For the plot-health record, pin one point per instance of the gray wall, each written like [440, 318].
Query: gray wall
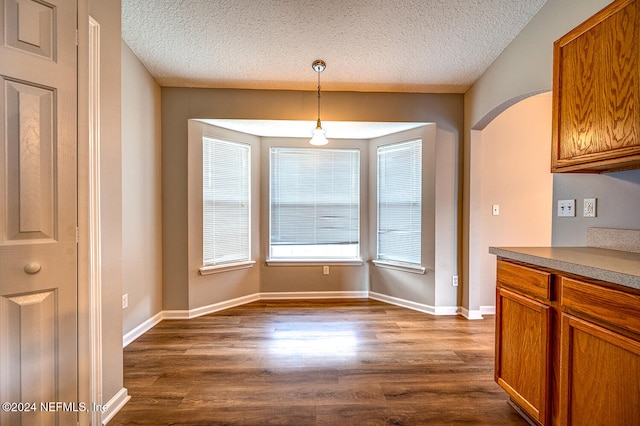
[523, 69]
[141, 193]
[287, 280]
[439, 224]
[204, 290]
[525, 66]
[618, 204]
[179, 105]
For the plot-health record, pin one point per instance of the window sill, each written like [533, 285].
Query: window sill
[314, 262]
[208, 270]
[400, 266]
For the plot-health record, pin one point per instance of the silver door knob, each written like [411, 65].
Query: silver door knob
[32, 268]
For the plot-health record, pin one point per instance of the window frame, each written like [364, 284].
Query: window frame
[387, 261]
[210, 267]
[283, 260]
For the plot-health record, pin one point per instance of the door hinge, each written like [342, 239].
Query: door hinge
[77, 235]
[77, 37]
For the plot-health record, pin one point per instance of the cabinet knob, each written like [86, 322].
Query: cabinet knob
[32, 268]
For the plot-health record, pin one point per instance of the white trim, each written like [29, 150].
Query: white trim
[175, 315]
[471, 315]
[427, 309]
[209, 309]
[214, 269]
[487, 310]
[315, 295]
[95, 233]
[114, 405]
[221, 306]
[414, 269]
[141, 329]
[314, 262]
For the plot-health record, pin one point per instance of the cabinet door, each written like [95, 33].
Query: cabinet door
[523, 344]
[596, 92]
[599, 375]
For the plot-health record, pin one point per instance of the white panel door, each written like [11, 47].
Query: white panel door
[38, 249]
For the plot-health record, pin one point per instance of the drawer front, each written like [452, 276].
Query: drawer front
[602, 304]
[524, 280]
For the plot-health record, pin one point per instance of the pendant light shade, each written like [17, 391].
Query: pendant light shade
[318, 134]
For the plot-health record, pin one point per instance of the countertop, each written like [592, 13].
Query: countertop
[615, 266]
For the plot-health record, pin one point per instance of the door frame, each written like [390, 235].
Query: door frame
[88, 308]
[95, 235]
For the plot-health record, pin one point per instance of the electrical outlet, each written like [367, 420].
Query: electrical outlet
[325, 270]
[589, 207]
[566, 208]
[454, 281]
[125, 301]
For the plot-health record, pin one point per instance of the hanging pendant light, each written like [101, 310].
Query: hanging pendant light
[318, 134]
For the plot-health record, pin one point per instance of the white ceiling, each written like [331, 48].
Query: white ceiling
[437, 46]
[304, 129]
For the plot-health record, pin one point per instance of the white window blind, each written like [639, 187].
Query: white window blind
[400, 202]
[315, 203]
[226, 195]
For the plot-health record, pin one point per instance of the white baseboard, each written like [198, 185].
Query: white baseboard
[115, 404]
[471, 314]
[314, 295]
[487, 310]
[221, 306]
[141, 329]
[209, 309]
[427, 309]
[216, 307]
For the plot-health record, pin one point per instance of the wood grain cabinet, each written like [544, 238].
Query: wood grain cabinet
[567, 348]
[523, 337]
[600, 355]
[596, 93]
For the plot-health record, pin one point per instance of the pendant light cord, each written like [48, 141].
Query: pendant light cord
[318, 134]
[318, 98]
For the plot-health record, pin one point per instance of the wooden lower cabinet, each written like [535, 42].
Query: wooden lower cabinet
[572, 358]
[599, 375]
[600, 354]
[523, 342]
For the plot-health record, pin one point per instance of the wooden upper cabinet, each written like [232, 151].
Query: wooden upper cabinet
[596, 93]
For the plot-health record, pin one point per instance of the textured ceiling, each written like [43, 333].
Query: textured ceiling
[369, 45]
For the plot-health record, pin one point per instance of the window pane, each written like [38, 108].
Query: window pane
[226, 201]
[400, 202]
[315, 203]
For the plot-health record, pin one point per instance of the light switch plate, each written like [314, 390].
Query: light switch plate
[566, 208]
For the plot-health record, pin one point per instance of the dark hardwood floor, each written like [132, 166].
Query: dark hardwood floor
[324, 362]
